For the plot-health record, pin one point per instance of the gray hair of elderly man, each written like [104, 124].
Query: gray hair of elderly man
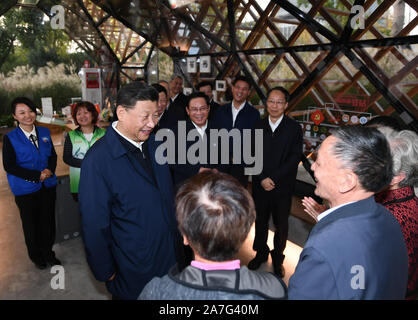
[176, 75]
[404, 149]
[366, 152]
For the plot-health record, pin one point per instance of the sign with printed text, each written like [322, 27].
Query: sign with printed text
[47, 108]
[92, 80]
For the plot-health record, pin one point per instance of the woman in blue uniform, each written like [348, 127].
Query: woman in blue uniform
[29, 160]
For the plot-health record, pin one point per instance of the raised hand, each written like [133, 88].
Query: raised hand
[313, 208]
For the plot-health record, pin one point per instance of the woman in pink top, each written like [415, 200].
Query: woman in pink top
[215, 214]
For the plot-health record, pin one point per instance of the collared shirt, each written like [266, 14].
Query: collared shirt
[201, 130]
[327, 212]
[136, 144]
[228, 265]
[159, 118]
[274, 126]
[28, 134]
[236, 111]
[172, 99]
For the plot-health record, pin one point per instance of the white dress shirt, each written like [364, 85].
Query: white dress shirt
[236, 111]
[327, 212]
[201, 130]
[273, 125]
[28, 134]
[136, 144]
[172, 99]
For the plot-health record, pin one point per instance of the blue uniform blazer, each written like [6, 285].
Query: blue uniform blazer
[128, 222]
[356, 252]
[31, 158]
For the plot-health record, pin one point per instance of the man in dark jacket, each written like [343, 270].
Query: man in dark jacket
[176, 110]
[356, 250]
[273, 188]
[207, 88]
[163, 118]
[126, 199]
[198, 110]
[238, 114]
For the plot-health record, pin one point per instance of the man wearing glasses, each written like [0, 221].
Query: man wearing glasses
[196, 132]
[198, 111]
[273, 188]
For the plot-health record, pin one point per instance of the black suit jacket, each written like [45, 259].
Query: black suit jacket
[181, 172]
[177, 109]
[246, 119]
[164, 123]
[214, 106]
[282, 152]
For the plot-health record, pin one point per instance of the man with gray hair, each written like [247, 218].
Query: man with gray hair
[356, 250]
[178, 101]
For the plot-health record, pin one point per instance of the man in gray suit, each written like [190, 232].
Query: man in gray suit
[356, 250]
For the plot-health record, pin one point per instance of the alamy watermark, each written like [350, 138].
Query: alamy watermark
[57, 17]
[58, 281]
[357, 21]
[220, 142]
[358, 280]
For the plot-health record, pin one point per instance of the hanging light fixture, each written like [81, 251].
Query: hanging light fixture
[27, 3]
[180, 3]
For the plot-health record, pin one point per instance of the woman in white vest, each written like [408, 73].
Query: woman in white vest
[79, 140]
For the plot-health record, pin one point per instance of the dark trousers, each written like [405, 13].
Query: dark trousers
[37, 212]
[75, 196]
[278, 205]
[184, 254]
[237, 171]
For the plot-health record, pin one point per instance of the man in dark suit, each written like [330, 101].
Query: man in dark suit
[198, 110]
[356, 250]
[273, 188]
[162, 103]
[178, 101]
[126, 199]
[207, 88]
[238, 114]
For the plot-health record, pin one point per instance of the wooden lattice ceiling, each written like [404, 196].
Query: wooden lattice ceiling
[307, 46]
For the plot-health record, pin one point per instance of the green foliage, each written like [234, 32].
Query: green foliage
[61, 96]
[56, 91]
[59, 82]
[25, 38]
[6, 121]
[165, 66]
[4, 102]
[255, 100]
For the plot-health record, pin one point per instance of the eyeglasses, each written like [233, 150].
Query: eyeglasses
[201, 109]
[282, 102]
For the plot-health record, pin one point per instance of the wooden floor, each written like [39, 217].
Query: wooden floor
[19, 279]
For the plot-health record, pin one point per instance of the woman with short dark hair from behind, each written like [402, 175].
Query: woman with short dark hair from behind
[215, 214]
